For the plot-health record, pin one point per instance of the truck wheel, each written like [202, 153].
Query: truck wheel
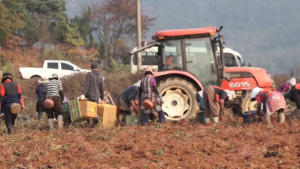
[179, 98]
[247, 104]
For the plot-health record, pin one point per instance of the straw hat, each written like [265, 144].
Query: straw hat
[43, 81]
[15, 108]
[54, 76]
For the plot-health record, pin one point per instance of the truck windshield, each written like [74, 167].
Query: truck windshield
[230, 60]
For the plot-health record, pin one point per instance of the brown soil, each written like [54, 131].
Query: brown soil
[181, 145]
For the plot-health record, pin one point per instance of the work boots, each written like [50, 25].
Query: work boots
[281, 118]
[207, 120]
[267, 118]
[9, 129]
[60, 121]
[145, 118]
[51, 124]
[40, 115]
[161, 116]
[216, 120]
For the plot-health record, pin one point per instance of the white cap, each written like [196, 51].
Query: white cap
[201, 93]
[292, 81]
[230, 94]
[254, 92]
[138, 84]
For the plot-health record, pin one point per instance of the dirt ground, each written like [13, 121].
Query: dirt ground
[181, 145]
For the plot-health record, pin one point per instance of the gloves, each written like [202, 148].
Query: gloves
[134, 107]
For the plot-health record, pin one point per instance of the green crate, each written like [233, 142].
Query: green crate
[133, 119]
[201, 117]
[66, 108]
[75, 111]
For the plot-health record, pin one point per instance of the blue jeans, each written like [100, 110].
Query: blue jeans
[201, 103]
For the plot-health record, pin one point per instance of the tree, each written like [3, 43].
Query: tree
[73, 37]
[46, 21]
[82, 22]
[114, 21]
[10, 19]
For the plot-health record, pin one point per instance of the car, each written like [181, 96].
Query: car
[50, 67]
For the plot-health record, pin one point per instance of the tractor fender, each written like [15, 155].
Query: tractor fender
[181, 74]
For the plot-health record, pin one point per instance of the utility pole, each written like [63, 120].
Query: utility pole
[138, 33]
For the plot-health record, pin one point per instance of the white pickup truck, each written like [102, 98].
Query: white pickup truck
[60, 67]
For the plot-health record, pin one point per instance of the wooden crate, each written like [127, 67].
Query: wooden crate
[107, 114]
[82, 110]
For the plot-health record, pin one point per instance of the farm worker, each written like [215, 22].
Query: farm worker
[10, 92]
[169, 62]
[231, 95]
[294, 96]
[284, 87]
[126, 101]
[94, 86]
[39, 93]
[148, 91]
[273, 101]
[214, 98]
[54, 91]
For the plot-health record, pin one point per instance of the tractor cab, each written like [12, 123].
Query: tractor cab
[191, 50]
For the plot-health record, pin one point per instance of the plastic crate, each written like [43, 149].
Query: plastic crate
[133, 119]
[107, 114]
[82, 110]
[201, 117]
[66, 108]
[249, 117]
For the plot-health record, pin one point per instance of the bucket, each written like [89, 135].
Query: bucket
[48, 104]
[15, 108]
[148, 104]
[249, 116]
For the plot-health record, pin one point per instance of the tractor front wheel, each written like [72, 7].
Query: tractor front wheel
[179, 97]
[247, 104]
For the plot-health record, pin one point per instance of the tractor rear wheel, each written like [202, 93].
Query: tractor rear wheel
[179, 97]
[247, 104]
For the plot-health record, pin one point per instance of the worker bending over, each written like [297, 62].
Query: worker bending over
[126, 101]
[273, 101]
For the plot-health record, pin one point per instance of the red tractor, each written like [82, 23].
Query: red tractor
[188, 60]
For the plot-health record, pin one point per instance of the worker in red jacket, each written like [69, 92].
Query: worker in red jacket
[10, 92]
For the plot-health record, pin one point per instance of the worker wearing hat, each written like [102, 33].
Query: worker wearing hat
[148, 92]
[10, 94]
[39, 93]
[126, 101]
[54, 91]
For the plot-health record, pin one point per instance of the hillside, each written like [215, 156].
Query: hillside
[264, 32]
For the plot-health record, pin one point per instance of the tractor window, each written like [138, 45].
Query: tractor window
[230, 60]
[200, 60]
[172, 56]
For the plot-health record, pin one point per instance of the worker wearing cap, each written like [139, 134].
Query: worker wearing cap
[294, 96]
[148, 91]
[54, 91]
[10, 92]
[94, 87]
[272, 101]
[126, 101]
